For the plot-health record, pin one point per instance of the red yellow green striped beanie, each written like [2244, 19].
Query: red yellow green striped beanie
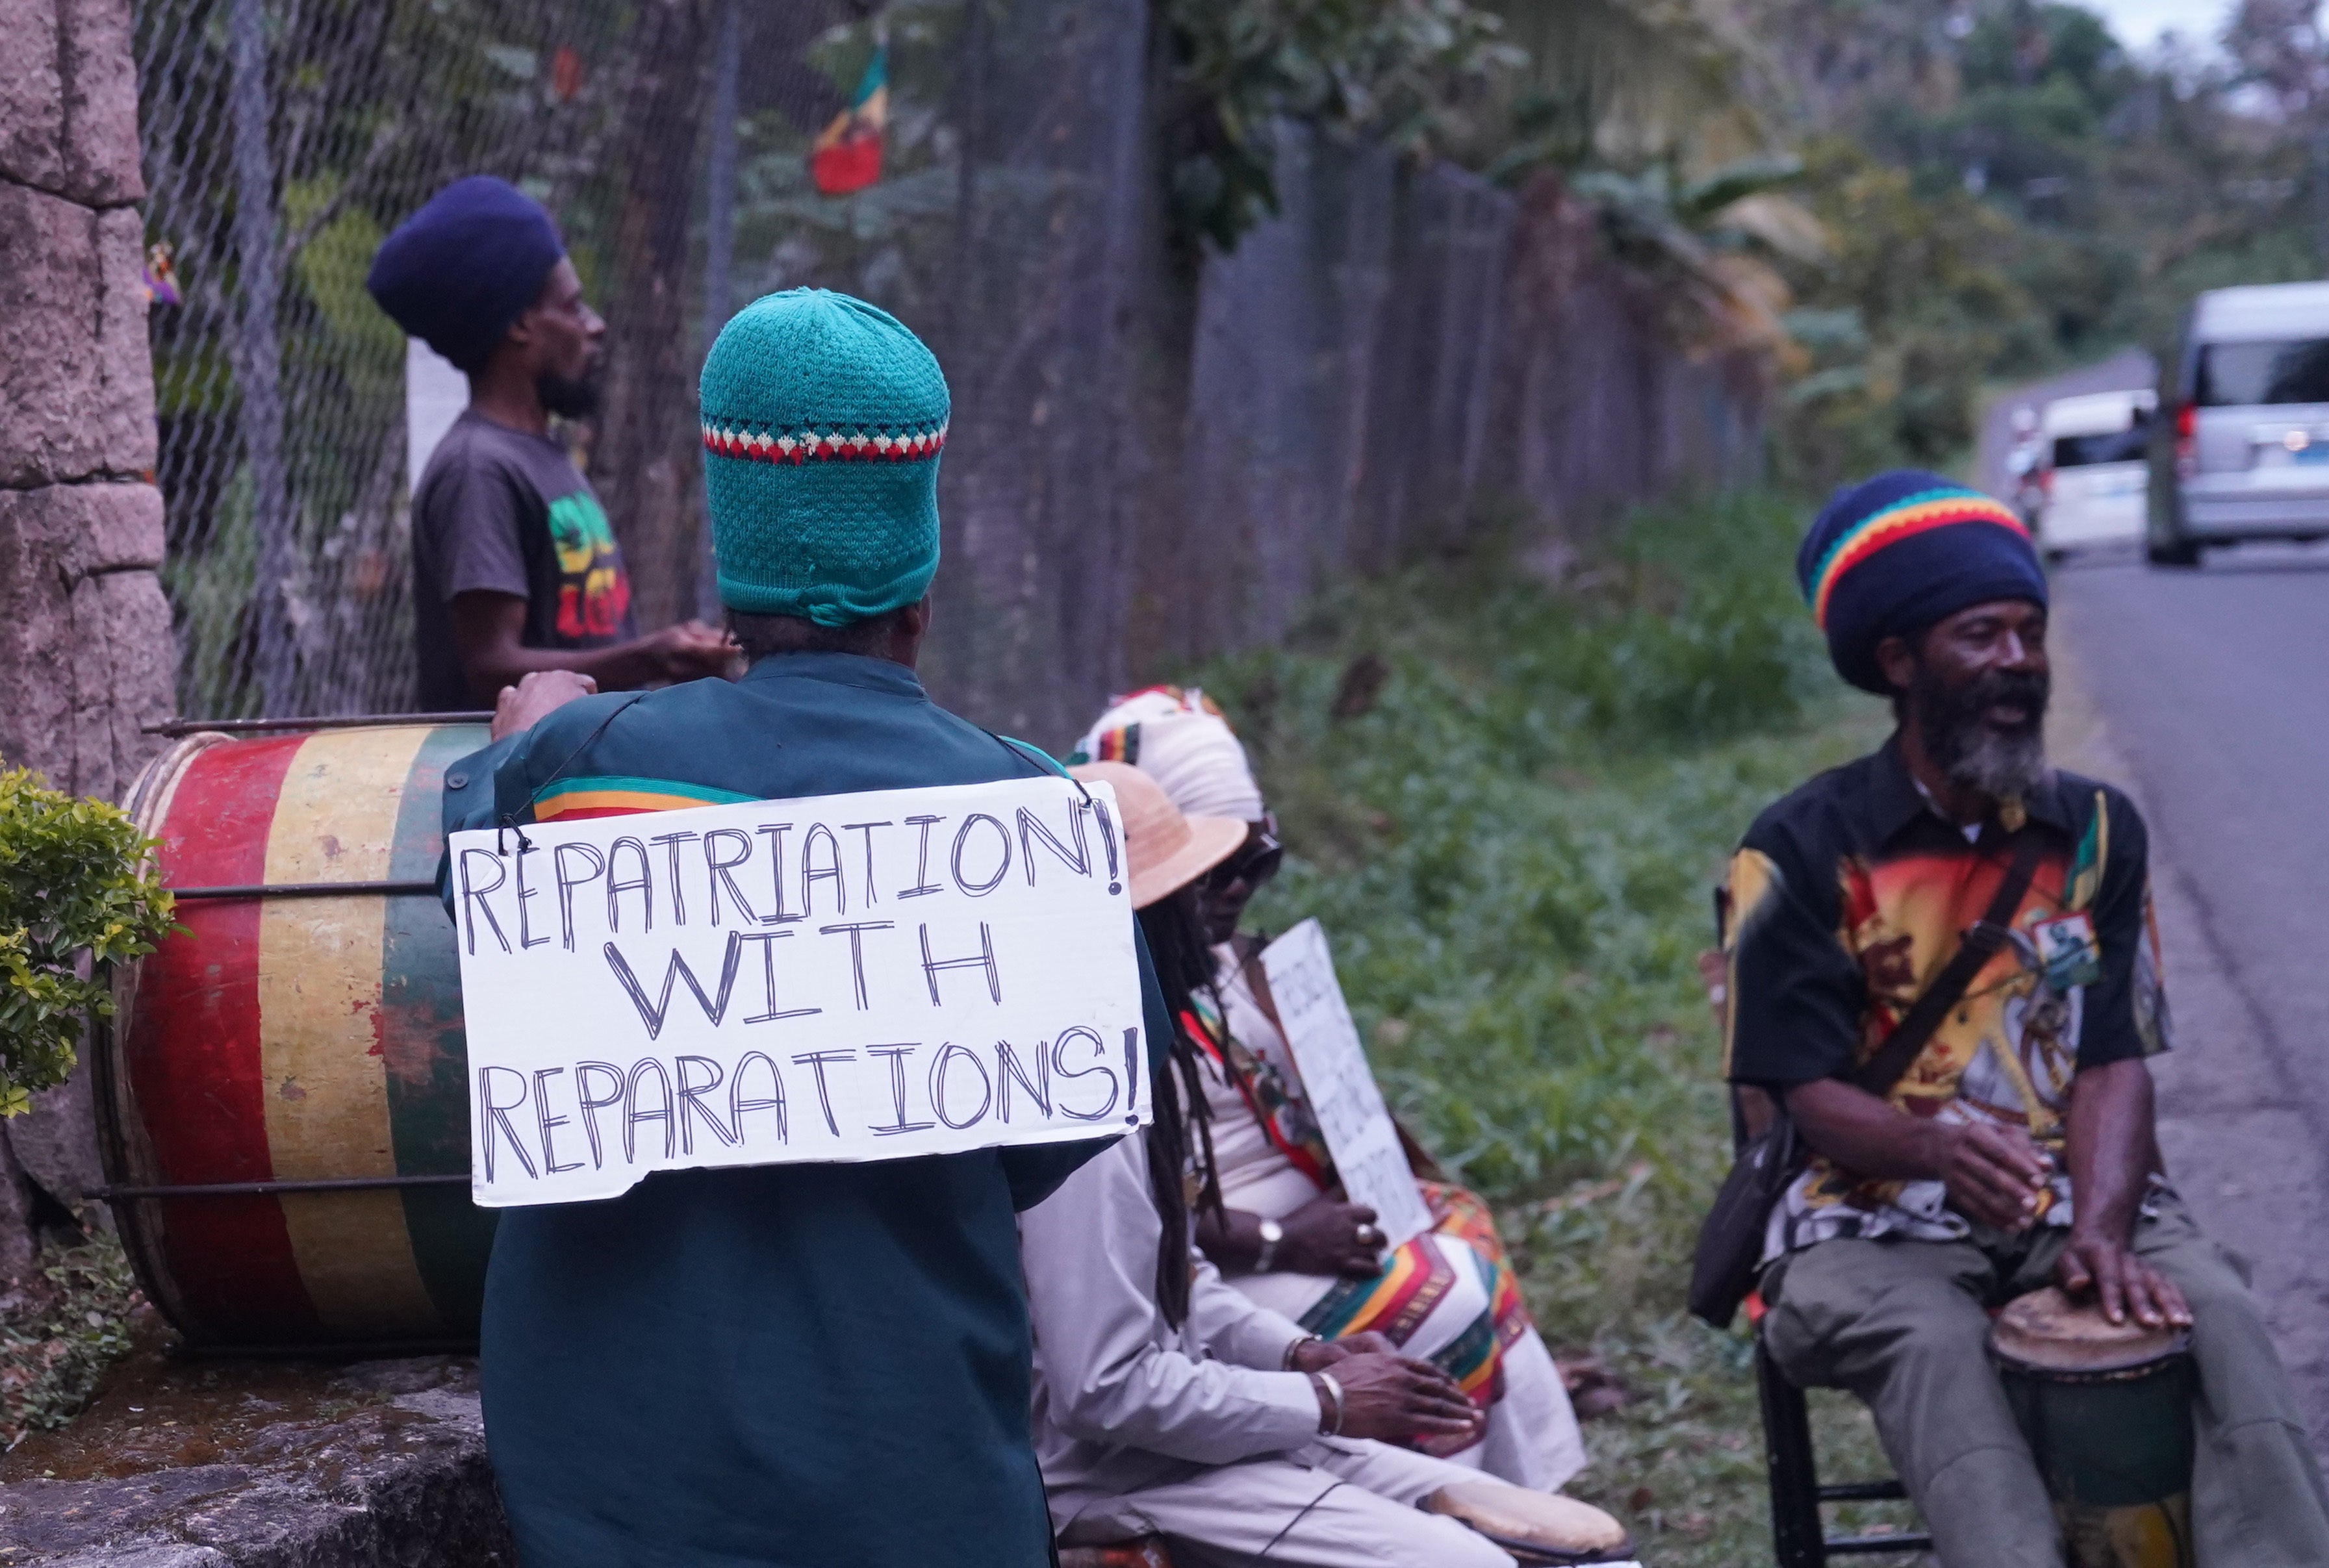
[823, 422]
[1889, 557]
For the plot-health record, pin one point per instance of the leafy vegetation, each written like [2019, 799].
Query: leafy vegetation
[1396, 69]
[1946, 195]
[2010, 189]
[76, 884]
[1509, 835]
[60, 1332]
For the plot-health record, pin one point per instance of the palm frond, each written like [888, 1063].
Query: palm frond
[1630, 79]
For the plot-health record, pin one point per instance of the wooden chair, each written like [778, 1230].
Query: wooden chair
[1799, 1537]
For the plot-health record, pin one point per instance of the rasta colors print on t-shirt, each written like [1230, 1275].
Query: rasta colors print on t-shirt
[594, 591]
[505, 511]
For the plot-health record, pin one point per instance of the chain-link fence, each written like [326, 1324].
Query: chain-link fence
[282, 139]
[1152, 458]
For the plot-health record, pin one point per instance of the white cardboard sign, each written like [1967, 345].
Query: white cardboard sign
[870, 976]
[1341, 1088]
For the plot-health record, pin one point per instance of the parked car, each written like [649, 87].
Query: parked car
[2242, 451]
[2092, 463]
[2022, 465]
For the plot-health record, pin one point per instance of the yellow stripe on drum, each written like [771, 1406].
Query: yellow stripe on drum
[319, 998]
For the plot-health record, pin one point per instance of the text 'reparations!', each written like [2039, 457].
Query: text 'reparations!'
[869, 976]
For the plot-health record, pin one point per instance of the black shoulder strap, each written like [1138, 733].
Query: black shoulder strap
[1906, 1042]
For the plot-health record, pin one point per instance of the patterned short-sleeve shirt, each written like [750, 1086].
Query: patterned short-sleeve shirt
[1848, 897]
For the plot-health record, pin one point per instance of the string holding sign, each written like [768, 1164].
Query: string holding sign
[870, 976]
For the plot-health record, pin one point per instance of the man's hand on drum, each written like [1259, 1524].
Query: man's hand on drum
[524, 705]
[1995, 1175]
[1394, 1399]
[2122, 1282]
[1328, 1236]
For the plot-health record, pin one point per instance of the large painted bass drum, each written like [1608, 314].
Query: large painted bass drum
[280, 1096]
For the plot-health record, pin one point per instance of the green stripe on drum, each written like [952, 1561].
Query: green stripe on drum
[426, 1052]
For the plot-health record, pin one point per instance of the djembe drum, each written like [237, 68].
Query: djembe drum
[1539, 1529]
[280, 1096]
[2106, 1409]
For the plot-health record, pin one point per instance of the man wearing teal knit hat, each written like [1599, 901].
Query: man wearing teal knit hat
[805, 1364]
[823, 424]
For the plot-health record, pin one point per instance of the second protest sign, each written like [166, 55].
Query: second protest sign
[850, 977]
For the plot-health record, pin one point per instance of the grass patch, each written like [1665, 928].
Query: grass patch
[1508, 800]
[59, 1331]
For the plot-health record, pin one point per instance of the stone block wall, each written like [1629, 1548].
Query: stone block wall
[85, 655]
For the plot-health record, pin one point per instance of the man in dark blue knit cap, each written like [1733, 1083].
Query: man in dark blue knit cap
[2015, 1150]
[514, 567]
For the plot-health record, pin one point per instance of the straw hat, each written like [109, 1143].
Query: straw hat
[1168, 851]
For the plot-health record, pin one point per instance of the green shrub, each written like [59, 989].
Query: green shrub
[76, 885]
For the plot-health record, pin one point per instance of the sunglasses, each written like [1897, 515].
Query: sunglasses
[1255, 861]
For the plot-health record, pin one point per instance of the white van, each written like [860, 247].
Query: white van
[2243, 452]
[2092, 464]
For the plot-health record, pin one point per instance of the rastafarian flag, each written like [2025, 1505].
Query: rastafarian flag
[847, 157]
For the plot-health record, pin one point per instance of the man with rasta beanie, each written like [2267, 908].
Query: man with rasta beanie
[803, 1363]
[514, 568]
[2014, 1149]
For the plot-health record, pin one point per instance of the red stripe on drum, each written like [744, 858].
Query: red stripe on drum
[192, 1053]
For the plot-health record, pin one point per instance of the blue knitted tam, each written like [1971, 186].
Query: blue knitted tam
[457, 273]
[823, 421]
[1889, 557]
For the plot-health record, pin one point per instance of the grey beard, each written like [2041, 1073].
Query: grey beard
[2001, 767]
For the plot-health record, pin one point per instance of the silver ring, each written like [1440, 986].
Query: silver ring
[1368, 1236]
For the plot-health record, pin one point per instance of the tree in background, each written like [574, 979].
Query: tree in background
[2011, 191]
[1401, 71]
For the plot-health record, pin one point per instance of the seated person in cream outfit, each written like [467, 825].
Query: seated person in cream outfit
[1286, 1234]
[1168, 1403]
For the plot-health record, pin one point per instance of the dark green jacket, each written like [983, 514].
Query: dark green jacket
[813, 1366]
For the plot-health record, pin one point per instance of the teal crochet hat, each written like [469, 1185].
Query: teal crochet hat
[823, 421]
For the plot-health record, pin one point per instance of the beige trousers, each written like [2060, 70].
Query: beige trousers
[1330, 1504]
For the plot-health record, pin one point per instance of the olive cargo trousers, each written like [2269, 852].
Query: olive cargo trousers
[1904, 1325]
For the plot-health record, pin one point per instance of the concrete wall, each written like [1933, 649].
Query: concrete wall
[85, 655]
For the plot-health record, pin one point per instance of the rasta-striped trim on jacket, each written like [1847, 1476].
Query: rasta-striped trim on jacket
[573, 800]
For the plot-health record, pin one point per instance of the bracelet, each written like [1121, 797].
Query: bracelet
[1286, 1361]
[1333, 1388]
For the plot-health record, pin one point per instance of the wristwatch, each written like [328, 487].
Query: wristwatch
[1272, 1233]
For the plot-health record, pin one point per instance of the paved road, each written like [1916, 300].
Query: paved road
[2204, 692]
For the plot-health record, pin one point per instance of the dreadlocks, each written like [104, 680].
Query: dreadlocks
[1184, 964]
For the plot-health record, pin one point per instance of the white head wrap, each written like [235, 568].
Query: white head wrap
[1177, 737]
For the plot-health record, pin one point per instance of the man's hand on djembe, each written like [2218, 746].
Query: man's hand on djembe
[1396, 1399]
[2122, 1282]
